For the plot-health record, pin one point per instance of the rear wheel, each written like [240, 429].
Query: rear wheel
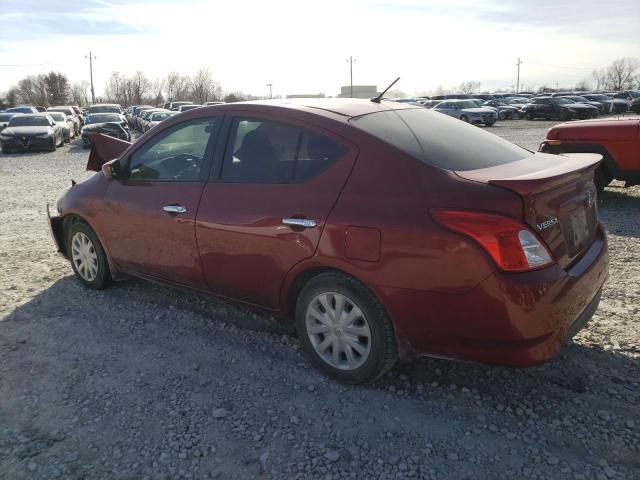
[489, 124]
[88, 259]
[464, 118]
[345, 329]
[530, 116]
[54, 144]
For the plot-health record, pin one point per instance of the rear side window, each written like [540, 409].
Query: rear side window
[439, 140]
[264, 151]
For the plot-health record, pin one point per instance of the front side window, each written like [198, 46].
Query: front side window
[265, 151]
[176, 155]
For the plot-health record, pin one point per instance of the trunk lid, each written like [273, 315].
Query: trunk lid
[559, 198]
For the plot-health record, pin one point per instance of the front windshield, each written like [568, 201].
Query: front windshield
[579, 99]
[58, 117]
[563, 101]
[598, 97]
[103, 117]
[25, 121]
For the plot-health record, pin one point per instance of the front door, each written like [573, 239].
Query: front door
[266, 207]
[149, 219]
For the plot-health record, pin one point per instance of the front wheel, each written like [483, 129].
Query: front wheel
[602, 178]
[464, 118]
[489, 124]
[530, 116]
[88, 259]
[345, 329]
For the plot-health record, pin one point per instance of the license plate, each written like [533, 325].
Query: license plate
[579, 227]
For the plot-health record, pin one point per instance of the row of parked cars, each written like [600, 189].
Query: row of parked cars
[487, 108]
[145, 117]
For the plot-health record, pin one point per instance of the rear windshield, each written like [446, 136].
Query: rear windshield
[439, 140]
[103, 117]
[104, 109]
[5, 117]
[25, 121]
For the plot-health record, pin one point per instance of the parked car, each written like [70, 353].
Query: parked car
[505, 110]
[557, 108]
[586, 101]
[467, 111]
[4, 119]
[384, 231]
[70, 112]
[176, 105]
[609, 104]
[144, 117]
[160, 116]
[105, 108]
[32, 131]
[22, 109]
[483, 96]
[66, 123]
[134, 111]
[616, 139]
[110, 124]
[632, 98]
[431, 103]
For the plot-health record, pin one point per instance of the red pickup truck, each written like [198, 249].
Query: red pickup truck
[616, 139]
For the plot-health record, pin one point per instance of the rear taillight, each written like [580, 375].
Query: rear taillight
[511, 244]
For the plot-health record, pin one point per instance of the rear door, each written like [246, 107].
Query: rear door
[267, 203]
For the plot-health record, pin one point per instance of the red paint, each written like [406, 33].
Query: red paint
[443, 291]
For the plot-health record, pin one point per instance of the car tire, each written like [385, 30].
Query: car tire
[564, 116]
[489, 124]
[88, 259]
[362, 357]
[530, 116]
[602, 177]
[464, 118]
[54, 145]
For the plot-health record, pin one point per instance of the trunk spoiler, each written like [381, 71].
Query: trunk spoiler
[104, 149]
[537, 173]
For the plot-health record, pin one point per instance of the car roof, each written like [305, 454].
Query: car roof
[345, 107]
[43, 114]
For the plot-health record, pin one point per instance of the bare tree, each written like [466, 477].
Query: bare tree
[600, 76]
[77, 94]
[115, 89]
[621, 72]
[157, 89]
[469, 87]
[177, 86]
[33, 90]
[140, 86]
[582, 86]
[201, 85]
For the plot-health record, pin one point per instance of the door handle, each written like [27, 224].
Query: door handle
[299, 222]
[174, 209]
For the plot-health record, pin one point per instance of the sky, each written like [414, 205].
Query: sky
[303, 46]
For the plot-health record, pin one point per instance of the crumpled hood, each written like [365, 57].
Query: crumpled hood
[104, 149]
[97, 127]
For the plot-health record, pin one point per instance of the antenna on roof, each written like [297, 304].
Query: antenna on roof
[379, 97]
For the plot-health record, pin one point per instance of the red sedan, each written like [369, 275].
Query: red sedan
[382, 230]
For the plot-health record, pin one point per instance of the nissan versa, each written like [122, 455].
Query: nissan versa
[383, 230]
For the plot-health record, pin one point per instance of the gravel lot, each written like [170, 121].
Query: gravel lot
[145, 382]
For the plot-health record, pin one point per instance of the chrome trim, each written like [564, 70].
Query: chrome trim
[299, 222]
[174, 209]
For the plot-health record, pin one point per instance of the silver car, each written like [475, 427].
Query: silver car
[66, 123]
[467, 111]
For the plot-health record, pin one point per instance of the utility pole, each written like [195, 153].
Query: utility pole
[518, 80]
[351, 60]
[93, 93]
[270, 91]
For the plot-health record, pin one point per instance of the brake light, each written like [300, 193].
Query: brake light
[511, 244]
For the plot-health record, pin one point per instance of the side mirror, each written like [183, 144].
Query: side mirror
[112, 170]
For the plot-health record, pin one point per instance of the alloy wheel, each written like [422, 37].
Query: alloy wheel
[338, 331]
[84, 256]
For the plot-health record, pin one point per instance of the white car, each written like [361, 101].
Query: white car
[467, 111]
[66, 123]
[70, 112]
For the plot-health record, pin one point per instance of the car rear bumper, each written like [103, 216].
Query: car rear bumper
[509, 319]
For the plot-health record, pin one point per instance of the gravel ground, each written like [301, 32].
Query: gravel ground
[145, 382]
